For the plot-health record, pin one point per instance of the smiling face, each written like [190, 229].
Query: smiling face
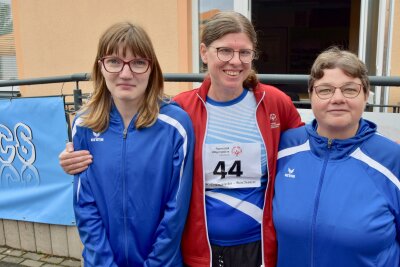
[126, 88]
[337, 117]
[226, 77]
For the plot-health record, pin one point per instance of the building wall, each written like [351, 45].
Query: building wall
[55, 38]
[55, 240]
[394, 96]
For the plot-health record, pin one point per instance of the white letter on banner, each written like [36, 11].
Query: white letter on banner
[25, 148]
[30, 175]
[9, 175]
[7, 153]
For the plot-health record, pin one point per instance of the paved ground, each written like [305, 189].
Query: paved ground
[14, 258]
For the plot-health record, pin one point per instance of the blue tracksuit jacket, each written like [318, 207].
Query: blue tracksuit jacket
[337, 202]
[131, 203]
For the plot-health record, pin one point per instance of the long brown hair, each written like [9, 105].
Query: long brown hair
[125, 35]
[227, 22]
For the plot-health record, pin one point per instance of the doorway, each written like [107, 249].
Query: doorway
[291, 33]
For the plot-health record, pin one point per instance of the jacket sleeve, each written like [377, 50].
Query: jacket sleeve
[397, 200]
[166, 248]
[97, 250]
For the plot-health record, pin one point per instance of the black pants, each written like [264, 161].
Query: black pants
[247, 255]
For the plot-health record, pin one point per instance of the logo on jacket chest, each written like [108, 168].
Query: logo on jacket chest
[96, 138]
[274, 121]
[290, 173]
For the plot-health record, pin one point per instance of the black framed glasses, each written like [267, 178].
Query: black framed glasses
[349, 90]
[225, 54]
[115, 65]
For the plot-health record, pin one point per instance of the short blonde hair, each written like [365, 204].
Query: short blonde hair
[345, 60]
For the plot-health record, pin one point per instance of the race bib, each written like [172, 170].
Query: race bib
[236, 165]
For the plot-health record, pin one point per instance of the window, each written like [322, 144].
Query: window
[205, 9]
[8, 63]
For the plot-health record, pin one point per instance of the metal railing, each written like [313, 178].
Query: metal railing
[198, 77]
[288, 79]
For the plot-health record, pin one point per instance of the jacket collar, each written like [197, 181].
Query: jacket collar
[205, 87]
[115, 116]
[339, 148]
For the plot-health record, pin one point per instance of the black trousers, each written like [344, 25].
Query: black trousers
[247, 255]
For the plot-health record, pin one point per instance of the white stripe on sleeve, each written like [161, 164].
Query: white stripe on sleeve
[293, 150]
[358, 154]
[176, 124]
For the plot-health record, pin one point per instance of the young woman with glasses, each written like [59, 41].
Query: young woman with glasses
[237, 122]
[131, 203]
[337, 188]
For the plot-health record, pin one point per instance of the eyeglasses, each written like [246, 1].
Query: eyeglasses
[115, 64]
[225, 54]
[349, 90]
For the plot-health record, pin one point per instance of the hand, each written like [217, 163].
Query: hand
[74, 162]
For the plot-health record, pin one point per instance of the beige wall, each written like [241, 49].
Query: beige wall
[394, 97]
[56, 37]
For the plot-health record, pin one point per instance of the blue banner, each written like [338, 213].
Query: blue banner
[33, 187]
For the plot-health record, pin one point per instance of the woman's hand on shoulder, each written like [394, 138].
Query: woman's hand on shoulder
[74, 162]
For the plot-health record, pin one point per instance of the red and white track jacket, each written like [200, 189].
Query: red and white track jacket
[275, 114]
